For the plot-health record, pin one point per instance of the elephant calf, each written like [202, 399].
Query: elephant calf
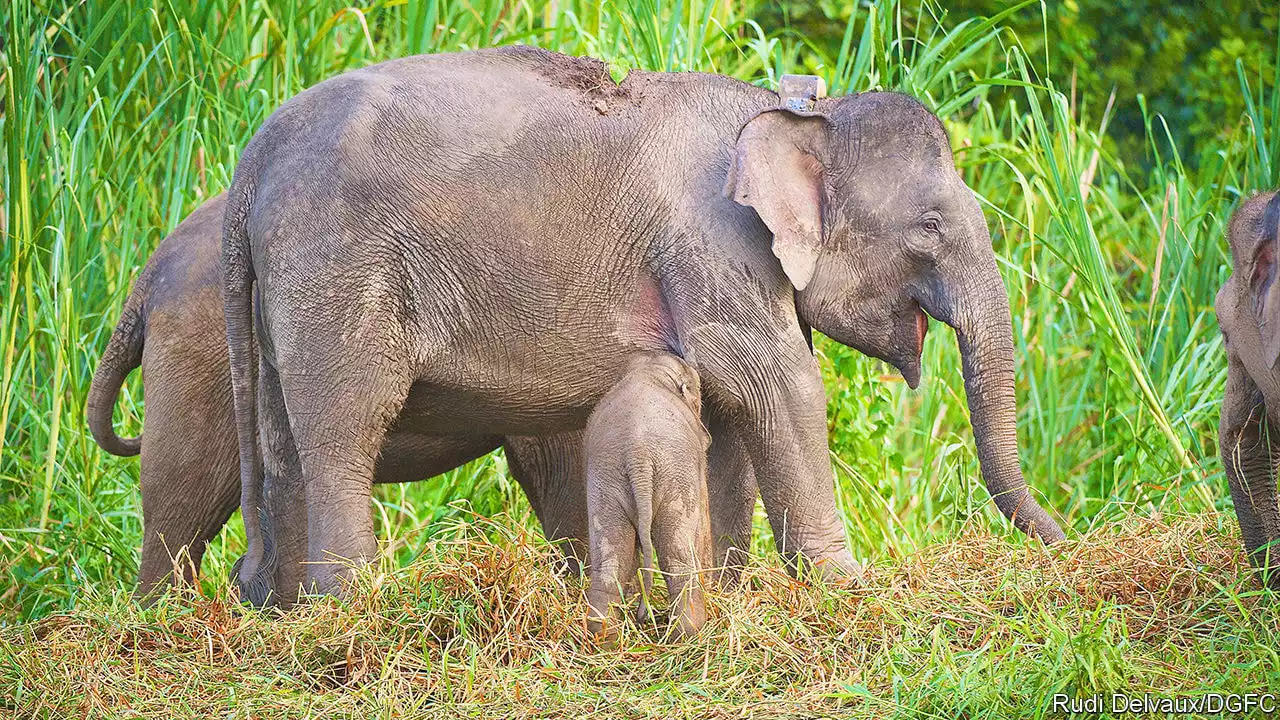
[647, 485]
[1248, 308]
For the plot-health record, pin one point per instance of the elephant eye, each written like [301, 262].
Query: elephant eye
[932, 225]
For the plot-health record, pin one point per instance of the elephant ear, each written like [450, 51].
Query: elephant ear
[777, 169]
[1262, 282]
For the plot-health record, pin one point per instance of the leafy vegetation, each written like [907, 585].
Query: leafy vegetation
[119, 118]
[1177, 58]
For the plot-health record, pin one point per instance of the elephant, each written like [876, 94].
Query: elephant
[475, 242]
[1249, 316]
[646, 453]
[172, 326]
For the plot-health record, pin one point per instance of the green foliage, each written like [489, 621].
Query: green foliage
[1180, 56]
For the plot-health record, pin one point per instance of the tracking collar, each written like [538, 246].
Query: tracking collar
[800, 93]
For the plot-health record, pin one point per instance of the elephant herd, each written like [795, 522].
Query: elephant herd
[424, 260]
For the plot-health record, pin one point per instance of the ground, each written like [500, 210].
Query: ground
[981, 626]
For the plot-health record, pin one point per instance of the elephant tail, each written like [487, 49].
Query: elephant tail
[642, 488]
[237, 284]
[122, 356]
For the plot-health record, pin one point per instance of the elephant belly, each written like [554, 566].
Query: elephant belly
[537, 364]
[408, 456]
[518, 391]
[433, 409]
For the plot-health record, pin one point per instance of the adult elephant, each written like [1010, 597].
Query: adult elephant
[476, 242]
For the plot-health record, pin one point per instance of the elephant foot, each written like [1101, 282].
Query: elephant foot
[839, 569]
[727, 576]
[683, 628]
[686, 614]
[688, 610]
[333, 578]
[603, 623]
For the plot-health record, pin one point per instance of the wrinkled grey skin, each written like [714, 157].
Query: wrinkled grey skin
[1249, 315]
[475, 242]
[646, 453]
[172, 326]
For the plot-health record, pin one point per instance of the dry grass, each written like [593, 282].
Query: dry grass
[480, 627]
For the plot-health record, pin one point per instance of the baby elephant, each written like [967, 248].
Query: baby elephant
[647, 484]
[1248, 308]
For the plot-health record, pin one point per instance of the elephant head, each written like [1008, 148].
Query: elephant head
[874, 228]
[1254, 235]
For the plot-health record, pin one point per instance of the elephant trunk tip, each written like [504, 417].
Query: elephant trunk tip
[1028, 516]
[1049, 535]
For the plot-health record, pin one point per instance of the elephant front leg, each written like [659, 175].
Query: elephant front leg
[185, 502]
[681, 536]
[731, 484]
[1250, 449]
[771, 391]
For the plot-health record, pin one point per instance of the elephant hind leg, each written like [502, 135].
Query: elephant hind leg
[615, 557]
[190, 467]
[682, 539]
[341, 402]
[178, 525]
[613, 571]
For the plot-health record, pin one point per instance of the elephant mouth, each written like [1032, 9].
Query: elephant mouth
[922, 329]
[910, 344]
[896, 337]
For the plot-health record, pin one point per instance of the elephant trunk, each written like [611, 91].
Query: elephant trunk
[985, 336]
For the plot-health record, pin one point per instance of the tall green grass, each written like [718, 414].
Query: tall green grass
[119, 118]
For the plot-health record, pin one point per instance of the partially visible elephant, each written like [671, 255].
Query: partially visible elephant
[647, 491]
[475, 243]
[172, 326]
[1248, 308]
